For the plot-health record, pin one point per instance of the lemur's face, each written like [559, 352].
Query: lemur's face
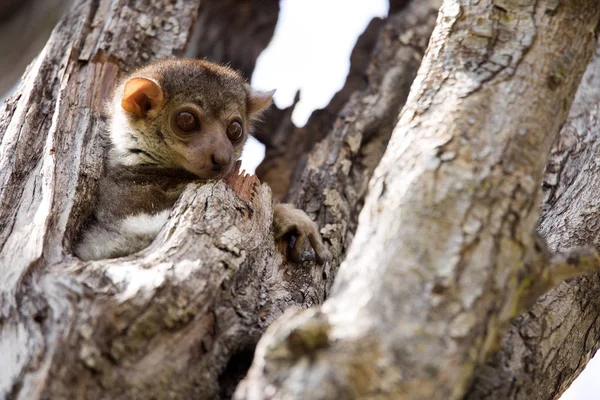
[196, 114]
[203, 144]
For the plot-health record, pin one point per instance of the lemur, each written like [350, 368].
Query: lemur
[173, 122]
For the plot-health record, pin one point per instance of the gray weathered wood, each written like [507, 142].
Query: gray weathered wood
[181, 318]
[545, 349]
[433, 275]
[50, 157]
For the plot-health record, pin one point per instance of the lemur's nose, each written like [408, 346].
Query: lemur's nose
[220, 158]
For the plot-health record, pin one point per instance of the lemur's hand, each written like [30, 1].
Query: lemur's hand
[289, 219]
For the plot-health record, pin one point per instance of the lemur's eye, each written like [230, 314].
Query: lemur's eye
[186, 122]
[235, 131]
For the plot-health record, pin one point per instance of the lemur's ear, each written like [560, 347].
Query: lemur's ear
[259, 101]
[140, 96]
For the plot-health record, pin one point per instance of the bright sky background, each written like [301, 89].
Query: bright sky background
[310, 52]
[587, 384]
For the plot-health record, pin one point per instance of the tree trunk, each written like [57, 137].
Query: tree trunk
[546, 348]
[181, 318]
[176, 320]
[444, 249]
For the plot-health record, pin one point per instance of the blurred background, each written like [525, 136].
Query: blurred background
[25, 25]
[309, 53]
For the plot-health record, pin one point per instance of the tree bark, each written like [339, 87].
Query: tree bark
[435, 271]
[545, 349]
[50, 159]
[334, 179]
[181, 318]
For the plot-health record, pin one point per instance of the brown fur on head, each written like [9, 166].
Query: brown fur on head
[184, 113]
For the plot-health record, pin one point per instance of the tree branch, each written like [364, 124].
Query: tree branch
[547, 270]
[546, 348]
[429, 283]
[351, 151]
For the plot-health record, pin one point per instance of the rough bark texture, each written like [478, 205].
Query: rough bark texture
[546, 348]
[449, 216]
[110, 328]
[50, 157]
[352, 150]
[181, 318]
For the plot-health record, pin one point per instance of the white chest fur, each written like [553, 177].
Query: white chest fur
[144, 224]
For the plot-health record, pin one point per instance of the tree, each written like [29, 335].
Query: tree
[443, 259]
